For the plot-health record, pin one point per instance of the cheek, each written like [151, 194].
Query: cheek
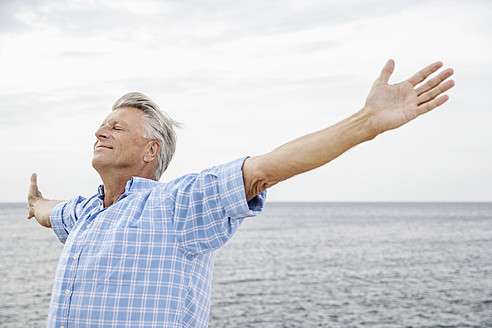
[131, 147]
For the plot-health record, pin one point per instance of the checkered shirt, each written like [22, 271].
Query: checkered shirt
[147, 260]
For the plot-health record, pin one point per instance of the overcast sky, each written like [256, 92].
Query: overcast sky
[244, 77]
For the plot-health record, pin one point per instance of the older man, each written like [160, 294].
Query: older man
[140, 252]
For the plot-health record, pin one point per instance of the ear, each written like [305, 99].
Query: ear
[151, 151]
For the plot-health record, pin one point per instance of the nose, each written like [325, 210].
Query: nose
[102, 133]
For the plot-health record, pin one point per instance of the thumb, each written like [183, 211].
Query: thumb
[33, 187]
[387, 71]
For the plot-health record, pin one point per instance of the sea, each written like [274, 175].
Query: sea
[306, 265]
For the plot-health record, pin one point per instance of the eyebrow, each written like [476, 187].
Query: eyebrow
[113, 122]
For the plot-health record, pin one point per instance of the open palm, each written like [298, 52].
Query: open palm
[391, 105]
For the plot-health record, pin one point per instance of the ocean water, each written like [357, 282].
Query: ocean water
[307, 265]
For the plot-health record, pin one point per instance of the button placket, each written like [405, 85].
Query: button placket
[73, 260]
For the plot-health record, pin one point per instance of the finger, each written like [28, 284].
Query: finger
[33, 191]
[387, 71]
[33, 187]
[30, 213]
[430, 105]
[433, 93]
[32, 194]
[435, 81]
[424, 73]
[34, 178]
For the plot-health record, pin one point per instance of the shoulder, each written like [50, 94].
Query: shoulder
[223, 171]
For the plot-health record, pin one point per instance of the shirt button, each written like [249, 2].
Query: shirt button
[88, 226]
[67, 291]
[75, 257]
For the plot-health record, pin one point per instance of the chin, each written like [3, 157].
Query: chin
[98, 163]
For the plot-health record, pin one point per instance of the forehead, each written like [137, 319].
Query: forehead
[128, 116]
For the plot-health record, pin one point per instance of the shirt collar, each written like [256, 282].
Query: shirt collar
[134, 185]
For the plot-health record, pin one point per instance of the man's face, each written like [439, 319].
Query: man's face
[120, 144]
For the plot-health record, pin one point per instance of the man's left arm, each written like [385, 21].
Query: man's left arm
[387, 107]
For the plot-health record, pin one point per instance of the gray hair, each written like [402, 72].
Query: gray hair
[157, 125]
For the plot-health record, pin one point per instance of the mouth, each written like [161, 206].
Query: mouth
[102, 146]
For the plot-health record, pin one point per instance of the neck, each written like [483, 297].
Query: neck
[113, 189]
[115, 183]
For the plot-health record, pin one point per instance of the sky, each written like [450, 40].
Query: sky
[244, 77]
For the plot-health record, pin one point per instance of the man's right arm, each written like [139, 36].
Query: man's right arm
[39, 207]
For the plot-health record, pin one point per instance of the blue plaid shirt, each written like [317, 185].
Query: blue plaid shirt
[147, 260]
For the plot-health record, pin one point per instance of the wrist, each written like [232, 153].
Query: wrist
[363, 125]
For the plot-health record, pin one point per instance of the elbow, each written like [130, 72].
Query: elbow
[256, 178]
[256, 188]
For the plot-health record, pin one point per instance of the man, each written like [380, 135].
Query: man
[139, 252]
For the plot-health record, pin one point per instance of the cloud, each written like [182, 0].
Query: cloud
[39, 108]
[80, 54]
[11, 22]
[187, 22]
[186, 82]
[259, 72]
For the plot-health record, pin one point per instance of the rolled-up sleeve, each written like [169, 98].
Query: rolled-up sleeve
[232, 194]
[64, 216]
[210, 206]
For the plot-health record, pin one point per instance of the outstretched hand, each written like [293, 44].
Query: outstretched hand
[33, 195]
[389, 106]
